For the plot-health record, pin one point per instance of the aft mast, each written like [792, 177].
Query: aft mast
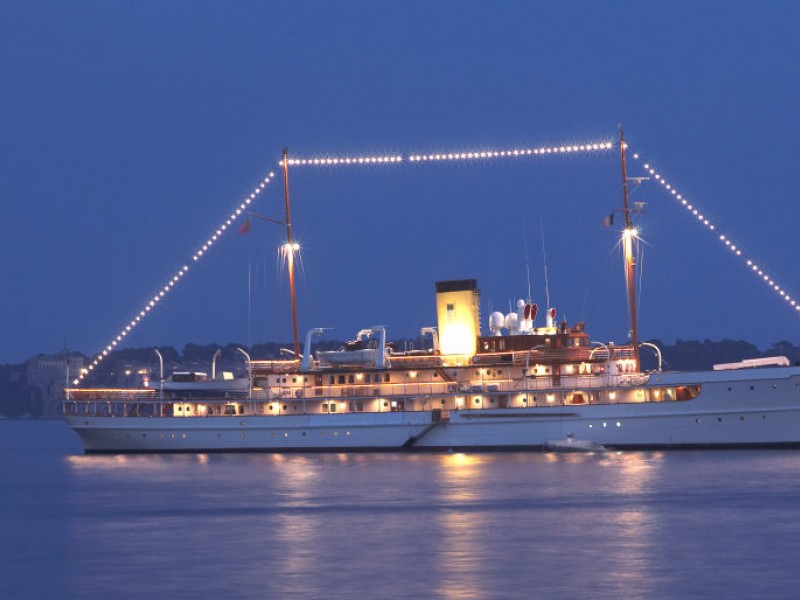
[290, 247]
[628, 236]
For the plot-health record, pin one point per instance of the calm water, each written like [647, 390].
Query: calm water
[621, 525]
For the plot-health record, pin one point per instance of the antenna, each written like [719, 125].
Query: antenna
[544, 259]
[527, 262]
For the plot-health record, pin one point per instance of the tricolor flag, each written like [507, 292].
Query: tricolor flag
[609, 220]
[245, 226]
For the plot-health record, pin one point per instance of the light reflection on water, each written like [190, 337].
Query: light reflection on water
[519, 525]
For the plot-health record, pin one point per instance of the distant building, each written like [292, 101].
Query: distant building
[45, 370]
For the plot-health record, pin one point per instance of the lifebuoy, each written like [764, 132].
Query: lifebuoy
[298, 394]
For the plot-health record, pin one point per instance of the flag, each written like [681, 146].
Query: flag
[245, 226]
[609, 220]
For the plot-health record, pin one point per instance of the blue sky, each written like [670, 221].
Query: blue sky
[131, 129]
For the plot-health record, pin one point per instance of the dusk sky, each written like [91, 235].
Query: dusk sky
[131, 130]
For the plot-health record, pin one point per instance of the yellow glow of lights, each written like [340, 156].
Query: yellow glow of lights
[724, 239]
[169, 286]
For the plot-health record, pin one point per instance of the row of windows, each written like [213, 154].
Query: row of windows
[368, 378]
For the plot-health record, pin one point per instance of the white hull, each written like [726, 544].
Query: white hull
[254, 433]
[733, 410]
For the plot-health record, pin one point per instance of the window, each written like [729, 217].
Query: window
[341, 379]
[351, 378]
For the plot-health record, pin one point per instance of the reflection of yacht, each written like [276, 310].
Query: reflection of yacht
[521, 386]
[570, 444]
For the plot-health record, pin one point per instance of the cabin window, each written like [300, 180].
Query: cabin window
[386, 377]
[687, 392]
[341, 379]
[351, 379]
[368, 378]
[332, 380]
[333, 407]
[360, 406]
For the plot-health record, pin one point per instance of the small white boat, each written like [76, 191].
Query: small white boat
[570, 444]
[194, 383]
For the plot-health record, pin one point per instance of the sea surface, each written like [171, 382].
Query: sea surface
[681, 524]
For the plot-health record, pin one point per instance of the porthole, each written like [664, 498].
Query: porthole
[719, 419]
[774, 386]
[219, 435]
[730, 389]
[285, 434]
[697, 421]
[752, 388]
[144, 435]
[347, 433]
[304, 434]
[741, 418]
[183, 435]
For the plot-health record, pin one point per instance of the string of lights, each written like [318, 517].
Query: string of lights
[513, 153]
[757, 269]
[444, 156]
[172, 281]
[345, 160]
